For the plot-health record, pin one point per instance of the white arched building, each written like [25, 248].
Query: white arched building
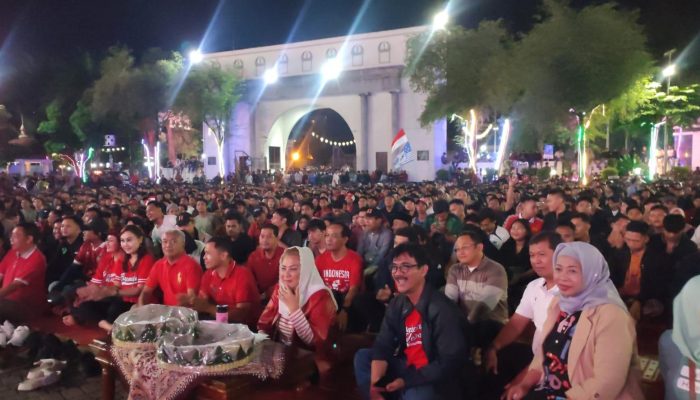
[371, 94]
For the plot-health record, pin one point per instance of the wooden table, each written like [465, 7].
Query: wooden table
[299, 367]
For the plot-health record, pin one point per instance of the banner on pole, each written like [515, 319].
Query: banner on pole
[401, 150]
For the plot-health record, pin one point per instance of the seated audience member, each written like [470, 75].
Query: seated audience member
[497, 234]
[533, 307]
[679, 348]
[639, 271]
[616, 237]
[589, 339]
[655, 219]
[634, 213]
[259, 219]
[479, 286]
[193, 246]
[341, 271]
[242, 245]
[526, 209]
[301, 310]
[67, 250]
[421, 349]
[264, 261]
[376, 240]
[176, 273]
[96, 301]
[316, 239]
[283, 219]
[442, 222]
[226, 282]
[400, 219]
[22, 270]
[515, 258]
[566, 230]
[582, 232]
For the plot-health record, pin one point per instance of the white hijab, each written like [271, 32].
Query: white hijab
[310, 280]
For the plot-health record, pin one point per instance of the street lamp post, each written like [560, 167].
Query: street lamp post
[668, 72]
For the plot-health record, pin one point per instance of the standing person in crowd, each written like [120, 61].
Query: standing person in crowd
[589, 346]
[264, 261]
[479, 286]
[283, 218]
[376, 241]
[341, 270]
[155, 212]
[301, 311]
[22, 270]
[420, 351]
[242, 245]
[176, 273]
[679, 348]
[225, 282]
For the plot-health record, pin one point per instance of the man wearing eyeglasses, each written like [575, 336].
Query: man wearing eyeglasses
[429, 332]
[479, 286]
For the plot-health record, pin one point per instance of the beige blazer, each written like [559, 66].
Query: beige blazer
[602, 361]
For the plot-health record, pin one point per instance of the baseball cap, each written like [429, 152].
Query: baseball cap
[184, 219]
[441, 206]
[375, 212]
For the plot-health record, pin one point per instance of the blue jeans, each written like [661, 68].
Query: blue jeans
[363, 371]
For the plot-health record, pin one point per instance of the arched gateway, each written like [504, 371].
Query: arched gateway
[371, 96]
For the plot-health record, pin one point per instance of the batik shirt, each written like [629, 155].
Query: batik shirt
[556, 355]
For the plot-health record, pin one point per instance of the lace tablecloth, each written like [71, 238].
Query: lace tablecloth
[148, 381]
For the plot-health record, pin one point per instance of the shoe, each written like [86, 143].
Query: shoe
[7, 328]
[45, 367]
[36, 383]
[19, 335]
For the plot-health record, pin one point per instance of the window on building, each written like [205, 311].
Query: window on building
[211, 160]
[357, 55]
[274, 157]
[384, 53]
[283, 64]
[423, 155]
[331, 53]
[259, 66]
[306, 61]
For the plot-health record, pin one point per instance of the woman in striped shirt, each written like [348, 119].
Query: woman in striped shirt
[301, 310]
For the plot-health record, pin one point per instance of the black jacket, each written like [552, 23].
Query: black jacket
[443, 336]
[656, 273]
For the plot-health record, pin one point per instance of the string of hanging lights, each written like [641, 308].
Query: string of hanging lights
[333, 142]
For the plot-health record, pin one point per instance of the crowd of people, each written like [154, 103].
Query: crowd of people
[449, 279]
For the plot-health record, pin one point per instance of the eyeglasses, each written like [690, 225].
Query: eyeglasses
[465, 247]
[403, 267]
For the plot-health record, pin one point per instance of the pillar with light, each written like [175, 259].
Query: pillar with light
[667, 73]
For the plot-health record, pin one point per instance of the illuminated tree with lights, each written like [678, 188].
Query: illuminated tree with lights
[208, 96]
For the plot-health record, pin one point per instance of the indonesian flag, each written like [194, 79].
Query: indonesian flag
[401, 150]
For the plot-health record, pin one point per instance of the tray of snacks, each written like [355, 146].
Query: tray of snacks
[144, 326]
[212, 347]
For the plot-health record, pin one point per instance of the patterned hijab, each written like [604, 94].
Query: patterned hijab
[686, 320]
[598, 289]
[310, 280]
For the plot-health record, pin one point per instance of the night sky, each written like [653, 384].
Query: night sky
[55, 27]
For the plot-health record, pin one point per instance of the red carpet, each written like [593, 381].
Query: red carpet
[83, 335]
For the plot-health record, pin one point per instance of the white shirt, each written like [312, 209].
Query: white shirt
[499, 236]
[169, 223]
[534, 305]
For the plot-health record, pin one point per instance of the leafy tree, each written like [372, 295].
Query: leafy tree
[208, 96]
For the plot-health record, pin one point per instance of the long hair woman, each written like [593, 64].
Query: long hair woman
[589, 345]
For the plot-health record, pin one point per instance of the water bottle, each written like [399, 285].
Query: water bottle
[222, 313]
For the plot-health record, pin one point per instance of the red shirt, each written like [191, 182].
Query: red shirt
[415, 355]
[134, 276]
[340, 275]
[238, 286]
[175, 279]
[89, 256]
[265, 270]
[29, 269]
[108, 271]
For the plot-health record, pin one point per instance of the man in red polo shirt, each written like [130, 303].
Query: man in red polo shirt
[264, 262]
[176, 273]
[23, 272]
[225, 282]
[341, 270]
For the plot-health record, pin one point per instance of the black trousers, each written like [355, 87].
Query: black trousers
[94, 311]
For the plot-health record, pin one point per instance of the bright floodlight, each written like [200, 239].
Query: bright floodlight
[295, 156]
[196, 56]
[271, 76]
[440, 20]
[669, 70]
[331, 69]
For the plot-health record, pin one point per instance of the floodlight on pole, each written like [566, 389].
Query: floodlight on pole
[196, 56]
[669, 71]
[270, 76]
[331, 69]
[440, 20]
